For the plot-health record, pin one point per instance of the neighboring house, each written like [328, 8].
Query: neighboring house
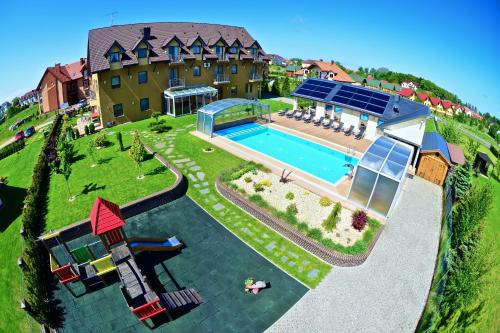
[408, 93]
[436, 104]
[301, 74]
[276, 59]
[173, 68]
[291, 69]
[409, 84]
[63, 85]
[472, 113]
[457, 108]
[329, 71]
[374, 83]
[424, 99]
[358, 80]
[447, 107]
[4, 106]
[307, 63]
[386, 113]
[30, 97]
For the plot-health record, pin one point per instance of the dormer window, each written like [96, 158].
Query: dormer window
[219, 50]
[114, 57]
[196, 49]
[142, 53]
[253, 51]
[233, 50]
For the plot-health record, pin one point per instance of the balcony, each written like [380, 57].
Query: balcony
[258, 59]
[221, 79]
[223, 57]
[176, 59]
[254, 77]
[176, 83]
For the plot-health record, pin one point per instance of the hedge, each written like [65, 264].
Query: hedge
[36, 273]
[11, 148]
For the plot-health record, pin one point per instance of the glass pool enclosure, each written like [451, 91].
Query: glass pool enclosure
[380, 174]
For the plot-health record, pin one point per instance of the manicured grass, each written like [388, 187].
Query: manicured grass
[473, 129]
[490, 321]
[18, 170]
[5, 133]
[212, 164]
[276, 106]
[430, 126]
[114, 178]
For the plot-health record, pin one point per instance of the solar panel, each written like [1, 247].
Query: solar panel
[345, 94]
[365, 92]
[318, 94]
[360, 97]
[303, 91]
[356, 103]
[378, 102]
[348, 88]
[381, 96]
[339, 99]
[375, 108]
[323, 89]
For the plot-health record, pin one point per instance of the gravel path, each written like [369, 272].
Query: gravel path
[388, 292]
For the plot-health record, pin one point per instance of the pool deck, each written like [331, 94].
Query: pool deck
[214, 262]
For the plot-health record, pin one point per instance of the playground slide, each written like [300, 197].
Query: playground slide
[154, 244]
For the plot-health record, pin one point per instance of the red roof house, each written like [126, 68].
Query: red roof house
[422, 97]
[105, 216]
[406, 92]
[434, 101]
[446, 104]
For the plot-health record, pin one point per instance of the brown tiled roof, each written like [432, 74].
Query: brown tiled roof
[340, 75]
[68, 72]
[456, 154]
[100, 40]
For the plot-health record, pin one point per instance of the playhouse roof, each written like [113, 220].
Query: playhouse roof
[105, 216]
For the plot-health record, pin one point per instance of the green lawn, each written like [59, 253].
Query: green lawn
[18, 169]
[212, 165]
[4, 127]
[430, 126]
[114, 178]
[480, 133]
[276, 106]
[490, 321]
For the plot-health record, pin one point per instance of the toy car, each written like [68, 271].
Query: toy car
[19, 136]
[29, 132]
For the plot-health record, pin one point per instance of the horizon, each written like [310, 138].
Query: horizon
[469, 29]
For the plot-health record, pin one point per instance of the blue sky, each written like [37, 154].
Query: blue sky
[456, 44]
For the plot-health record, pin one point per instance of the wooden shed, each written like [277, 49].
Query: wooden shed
[434, 159]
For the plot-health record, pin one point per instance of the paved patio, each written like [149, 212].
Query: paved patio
[389, 291]
[214, 262]
[329, 135]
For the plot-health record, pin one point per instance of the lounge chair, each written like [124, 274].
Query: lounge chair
[307, 117]
[317, 121]
[290, 113]
[360, 134]
[283, 112]
[339, 127]
[349, 131]
[327, 123]
[299, 115]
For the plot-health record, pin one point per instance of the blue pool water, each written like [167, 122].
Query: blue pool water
[318, 160]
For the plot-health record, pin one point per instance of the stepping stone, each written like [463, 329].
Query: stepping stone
[246, 231]
[258, 240]
[110, 133]
[191, 163]
[291, 264]
[265, 235]
[271, 246]
[284, 259]
[184, 160]
[293, 254]
[200, 175]
[205, 183]
[160, 145]
[196, 185]
[204, 191]
[313, 273]
[300, 269]
[180, 165]
[305, 262]
[218, 206]
[169, 150]
[212, 197]
[195, 168]
[192, 177]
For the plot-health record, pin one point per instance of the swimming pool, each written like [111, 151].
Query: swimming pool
[318, 160]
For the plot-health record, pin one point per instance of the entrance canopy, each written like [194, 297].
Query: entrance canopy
[380, 174]
[230, 111]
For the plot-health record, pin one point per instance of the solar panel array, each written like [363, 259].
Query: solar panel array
[316, 88]
[362, 98]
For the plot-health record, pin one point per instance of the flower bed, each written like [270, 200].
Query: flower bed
[306, 211]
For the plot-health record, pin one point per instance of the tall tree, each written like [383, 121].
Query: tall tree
[461, 180]
[65, 153]
[137, 152]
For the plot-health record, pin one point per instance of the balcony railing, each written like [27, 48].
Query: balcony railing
[176, 83]
[255, 77]
[221, 78]
[176, 58]
[223, 57]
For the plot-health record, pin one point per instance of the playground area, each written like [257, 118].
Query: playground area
[204, 261]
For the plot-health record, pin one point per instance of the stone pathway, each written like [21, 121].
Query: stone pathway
[227, 215]
[389, 291]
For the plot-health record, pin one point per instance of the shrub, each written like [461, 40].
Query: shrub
[248, 179]
[11, 148]
[292, 209]
[259, 201]
[266, 183]
[91, 128]
[289, 196]
[100, 140]
[159, 128]
[156, 115]
[316, 234]
[87, 130]
[76, 133]
[359, 219]
[303, 227]
[325, 201]
[331, 221]
[258, 187]
[120, 140]
[449, 131]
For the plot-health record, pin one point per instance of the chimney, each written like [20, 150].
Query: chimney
[332, 62]
[146, 32]
[82, 61]
[57, 65]
[396, 104]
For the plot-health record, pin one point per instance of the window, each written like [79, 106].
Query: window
[219, 50]
[143, 77]
[196, 70]
[142, 53]
[234, 69]
[233, 50]
[115, 82]
[253, 50]
[118, 110]
[364, 117]
[144, 102]
[196, 49]
[234, 91]
[114, 56]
